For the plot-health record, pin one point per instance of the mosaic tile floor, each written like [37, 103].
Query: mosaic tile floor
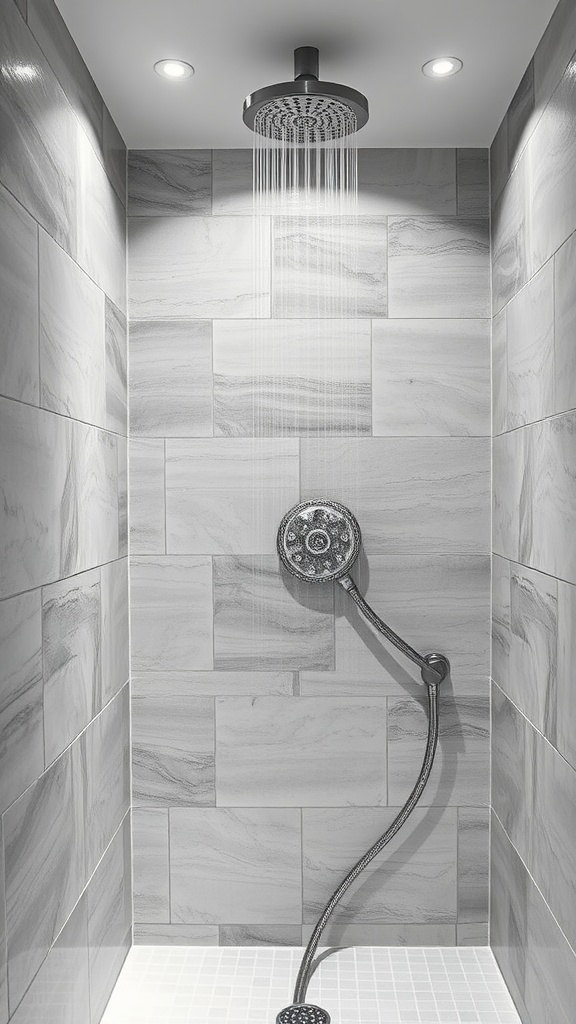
[364, 985]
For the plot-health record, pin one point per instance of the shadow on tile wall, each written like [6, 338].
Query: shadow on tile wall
[533, 171]
[65, 872]
[273, 735]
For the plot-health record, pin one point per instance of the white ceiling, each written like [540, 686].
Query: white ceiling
[237, 46]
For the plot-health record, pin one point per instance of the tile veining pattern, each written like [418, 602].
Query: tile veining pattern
[161, 985]
[273, 736]
[533, 165]
[65, 914]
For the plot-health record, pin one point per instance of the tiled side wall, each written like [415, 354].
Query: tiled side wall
[273, 735]
[533, 916]
[65, 914]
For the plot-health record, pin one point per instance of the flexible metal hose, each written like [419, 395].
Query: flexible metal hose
[350, 587]
[304, 973]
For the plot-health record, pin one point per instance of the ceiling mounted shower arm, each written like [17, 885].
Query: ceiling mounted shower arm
[306, 63]
[434, 668]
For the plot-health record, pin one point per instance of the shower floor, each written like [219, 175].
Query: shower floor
[361, 985]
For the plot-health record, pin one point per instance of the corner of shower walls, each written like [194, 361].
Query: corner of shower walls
[273, 736]
[533, 880]
[65, 858]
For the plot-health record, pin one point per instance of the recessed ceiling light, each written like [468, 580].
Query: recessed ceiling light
[442, 67]
[177, 70]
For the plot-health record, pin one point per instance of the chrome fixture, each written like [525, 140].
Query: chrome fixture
[305, 110]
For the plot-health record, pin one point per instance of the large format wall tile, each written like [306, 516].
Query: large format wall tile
[147, 496]
[212, 684]
[3, 950]
[169, 183]
[509, 889]
[263, 620]
[171, 606]
[151, 869]
[22, 747]
[72, 659]
[323, 267]
[438, 267]
[187, 267]
[283, 377]
[430, 377]
[228, 495]
[472, 171]
[170, 378]
[530, 350]
[409, 494]
[397, 933]
[566, 659]
[473, 864]
[415, 881]
[565, 326]
[232, 176]
[499, 374]
[101, 246]
[115, 626]
[403, 181]
[300, 752]
[531, 682]
[235, 866]
[18, 301]
[109, 919]
[45, 865]
[500, 620]
[107, 751]
[512, 744]
[554, 52]
[175, 934]
[173, 751]
[511, 236]
[116, 369]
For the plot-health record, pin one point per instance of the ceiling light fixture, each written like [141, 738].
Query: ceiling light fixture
[176, 70]
[442, 67]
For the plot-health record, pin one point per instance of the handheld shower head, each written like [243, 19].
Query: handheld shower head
[319, 541]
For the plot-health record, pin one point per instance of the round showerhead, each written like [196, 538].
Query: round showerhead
[305, 110]
[319, 541]
[303, 1013]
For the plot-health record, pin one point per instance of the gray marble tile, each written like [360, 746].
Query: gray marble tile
[328, 267]
[461, 769]
[473, 934]
[260, 935]
[21, 723]
[227, 495]
[565, 689]
[232, 181]
[171, 378]
[212, 684]
[508, 460]
[109, 920]
[22, 6]
[344, 933]
[284, 377]
[473, 186]
[499, 374]
[500, 620]
[404, 181]
[184, 267]
[39, 166]
[300, 751]
[521, 115]
[565, 326]
[229, 865]
[263, 620]
[116, 370]
[72, 338]
[4, 1011]
[101, 242]
[438, 267]
[151, 869]
[115, 639]
[509, 888]
[368, 683]
[61, 52]
[147, 496]
[531, 683]
[175, 934]
[553, 834]
[72, 653]
[499, 168]
[115, 156]
[414, 882]
[107, 743]
[530, 350]
[413, 495]
[45, 865]
[50, 468]
[436, 602]
[554, 52]
[511, 234]
[473, 864]
[170, 183]
[173, 752]
[122, 464]
[512, 772]
[550, 991]
[171, 608]
[18, 302]
[430, 377]
[60, 992]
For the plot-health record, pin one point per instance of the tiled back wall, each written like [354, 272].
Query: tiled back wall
[65, 878]
[273, 735]
[533, 162]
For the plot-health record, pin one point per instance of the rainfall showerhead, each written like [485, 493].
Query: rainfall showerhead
[303, 1013]
[305, 110]
[319, 541]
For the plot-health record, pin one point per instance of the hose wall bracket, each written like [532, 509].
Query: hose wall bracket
[437, 669]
